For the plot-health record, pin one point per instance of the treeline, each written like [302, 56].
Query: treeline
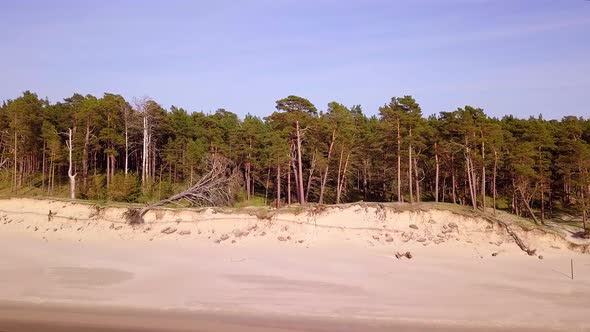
[138, 151]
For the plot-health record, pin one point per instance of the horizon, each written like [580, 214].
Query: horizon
[519, 58]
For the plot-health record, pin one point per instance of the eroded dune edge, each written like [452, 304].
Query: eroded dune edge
[357, 224]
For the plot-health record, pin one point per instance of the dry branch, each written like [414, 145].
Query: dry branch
[212, 189]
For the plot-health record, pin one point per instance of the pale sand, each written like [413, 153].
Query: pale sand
[80, 271]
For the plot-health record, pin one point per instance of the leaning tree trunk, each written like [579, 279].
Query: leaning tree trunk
[528, 207]
[342, 179]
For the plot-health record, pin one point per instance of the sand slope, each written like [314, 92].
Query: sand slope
[332, 263]
[357, 225]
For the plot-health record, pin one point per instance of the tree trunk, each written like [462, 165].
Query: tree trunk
[410, 169]
[71, 174]
[338, 178]
[444, 189]
[108, 160]
[473, 181]
[126, 147]
[399, 163]
[495, 176]
[417, 179]
[543, 203]
[365, 183]
[278, 186]
[300, 166]
[49, 174]
[310, 178]
[43, 166]
[289, 187]
[528, 207]
[342, 179]
[325, 176]
[437, 166]
[453, 180]
[470, 178]
[15, 167]
[583, 209]
[153, 155]
[266, 186]
[145, 154]
[296, 177]
[483, 174]
[247, 175]
[514, 205]
[85, 155]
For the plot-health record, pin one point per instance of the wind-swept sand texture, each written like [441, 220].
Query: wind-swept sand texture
[318, 270]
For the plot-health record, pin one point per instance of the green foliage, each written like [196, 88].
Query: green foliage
[124, 188]
[529, 164]
[254, 201]
[97, 189]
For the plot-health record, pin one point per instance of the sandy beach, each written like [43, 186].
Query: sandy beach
[83, 267]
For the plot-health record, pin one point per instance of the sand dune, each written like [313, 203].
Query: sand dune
[313, 270]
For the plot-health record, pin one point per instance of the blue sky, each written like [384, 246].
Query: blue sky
[507, 56]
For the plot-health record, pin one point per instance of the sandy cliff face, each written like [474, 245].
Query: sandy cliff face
[365, 225]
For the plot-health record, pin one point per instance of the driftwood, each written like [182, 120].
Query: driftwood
[212, 189]
[400, 255]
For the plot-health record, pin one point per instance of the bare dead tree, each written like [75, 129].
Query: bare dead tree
[212, 189]
[71, 173]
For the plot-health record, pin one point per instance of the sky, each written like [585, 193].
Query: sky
[519, 57]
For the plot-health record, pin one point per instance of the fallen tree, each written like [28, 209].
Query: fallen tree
[519, 242]
[214, 188]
